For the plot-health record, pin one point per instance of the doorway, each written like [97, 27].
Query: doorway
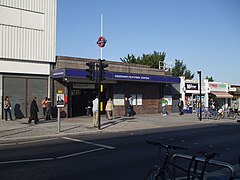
[81, 98]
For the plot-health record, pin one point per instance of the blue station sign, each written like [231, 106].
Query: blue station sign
[64, 73]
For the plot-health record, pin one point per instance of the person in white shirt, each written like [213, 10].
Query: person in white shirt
[95, 112]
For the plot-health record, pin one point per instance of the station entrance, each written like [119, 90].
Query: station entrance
[82, 96]
[81, 99]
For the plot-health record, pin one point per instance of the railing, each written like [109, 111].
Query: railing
[229, 166]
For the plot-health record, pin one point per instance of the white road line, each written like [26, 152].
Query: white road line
[27, 160]
[8, 144]
[80, 153]
[87, 142]
[27, 142]
[35, 141]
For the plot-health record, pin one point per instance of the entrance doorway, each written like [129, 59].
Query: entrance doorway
[81, 99]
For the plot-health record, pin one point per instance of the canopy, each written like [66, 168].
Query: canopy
[222, 95]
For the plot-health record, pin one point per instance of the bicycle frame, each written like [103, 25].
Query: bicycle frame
[172, 173]
[190, 174]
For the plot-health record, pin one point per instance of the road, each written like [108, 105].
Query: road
[108, 156]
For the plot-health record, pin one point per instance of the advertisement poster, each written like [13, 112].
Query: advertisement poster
[60, 100]
[118, 99]
[139, 99]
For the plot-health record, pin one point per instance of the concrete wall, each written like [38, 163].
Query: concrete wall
[28, 30]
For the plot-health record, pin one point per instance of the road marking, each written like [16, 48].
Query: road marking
[87, 142]
[27, 142]
[80, 153]
[27, 160]
[35, 141]
[8, 144]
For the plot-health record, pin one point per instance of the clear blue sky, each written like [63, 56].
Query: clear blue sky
[205, 34]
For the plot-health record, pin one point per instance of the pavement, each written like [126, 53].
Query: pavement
[20, 129]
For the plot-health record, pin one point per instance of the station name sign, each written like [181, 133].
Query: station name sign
[131, 77]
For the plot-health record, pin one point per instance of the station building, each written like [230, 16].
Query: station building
[27, 52]
[146, 85]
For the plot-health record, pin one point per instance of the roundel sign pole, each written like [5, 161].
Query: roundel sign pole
[101, 42]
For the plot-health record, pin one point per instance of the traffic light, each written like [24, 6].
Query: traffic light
[102, 70]
[91, 70]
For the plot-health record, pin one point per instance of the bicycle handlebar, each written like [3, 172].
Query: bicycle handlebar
[166, 146]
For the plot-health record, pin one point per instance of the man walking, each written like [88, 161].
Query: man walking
[95, 112]
[131, 106]
[34, 111]
[164, 104]
[127, 106]
[180, 106]
[43, 103]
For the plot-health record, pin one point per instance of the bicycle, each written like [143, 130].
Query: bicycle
[191, 172]
[208, 114]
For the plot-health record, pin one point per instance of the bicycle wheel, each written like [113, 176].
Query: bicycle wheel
[154, 174]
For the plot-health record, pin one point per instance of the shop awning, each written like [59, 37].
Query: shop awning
[222, 95]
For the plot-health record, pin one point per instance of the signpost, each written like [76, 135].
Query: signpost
[60, 104]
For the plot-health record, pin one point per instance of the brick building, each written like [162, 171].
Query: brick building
[146, 85]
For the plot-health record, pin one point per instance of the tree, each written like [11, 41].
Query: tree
[180, 69]
[210, 79]
[130, 59]
[146, 59]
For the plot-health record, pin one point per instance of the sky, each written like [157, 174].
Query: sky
[205, 34]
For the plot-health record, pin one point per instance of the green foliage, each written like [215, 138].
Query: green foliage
[180, 69]
[146, 59]
[210, 79]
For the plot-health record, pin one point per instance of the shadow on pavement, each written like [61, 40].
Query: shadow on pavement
[115, 122]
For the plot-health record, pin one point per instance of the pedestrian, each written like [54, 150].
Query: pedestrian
[180, 106]
[34, 111]
[95, 112]
[43, 103]
[127, 106]
[109, 109]
[48, 109]
[164, 104]
[132, 112]
[7, 108]
[89, 108]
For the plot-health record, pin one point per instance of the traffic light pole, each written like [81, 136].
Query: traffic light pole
[99, 93]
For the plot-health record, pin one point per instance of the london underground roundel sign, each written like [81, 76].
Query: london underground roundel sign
[101, 41]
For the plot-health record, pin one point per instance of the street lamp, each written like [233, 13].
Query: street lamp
[200, 84]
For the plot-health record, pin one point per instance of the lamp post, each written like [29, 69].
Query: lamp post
[200, 84]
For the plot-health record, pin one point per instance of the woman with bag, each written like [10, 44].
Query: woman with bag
[109, 108]
[7, 108]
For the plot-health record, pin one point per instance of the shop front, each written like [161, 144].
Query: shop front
[190, 93]
[220, 92]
